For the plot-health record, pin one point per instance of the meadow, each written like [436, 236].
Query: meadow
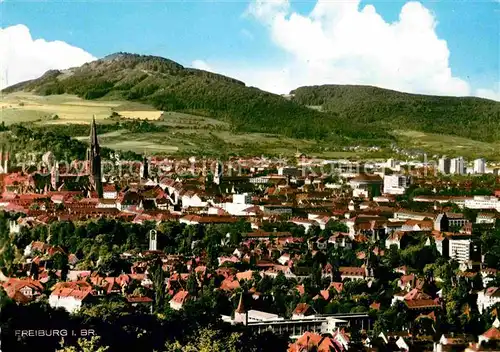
[185, 134]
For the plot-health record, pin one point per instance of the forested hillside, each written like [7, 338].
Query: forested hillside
[469, 117]
[169, 86]
[349, 114]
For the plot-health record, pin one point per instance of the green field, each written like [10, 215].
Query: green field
[26, 107]
[448, 145]
[190, 134]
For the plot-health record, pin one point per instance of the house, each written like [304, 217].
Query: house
[70, 299]
[366, 186]
[452, 343]
[486, 218]
[406, 282]
[487, 298]
[487, 275]
[340, 240]
[22, 290]
[491, 335]
[312, 341]
[354, 273]
[302, 310]
[179, 299]
[397, 238]
[418, 225]
[139, 301]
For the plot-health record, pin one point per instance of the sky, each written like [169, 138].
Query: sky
[448, 47]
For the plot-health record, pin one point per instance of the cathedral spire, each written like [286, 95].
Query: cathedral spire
[94, 143]
[94, 158]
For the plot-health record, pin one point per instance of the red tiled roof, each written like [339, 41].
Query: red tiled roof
[492, 333]
[180, 297]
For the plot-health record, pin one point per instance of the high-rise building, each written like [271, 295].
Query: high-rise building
[457, 166]
[94, 159]
[479, 166]
[444, 165]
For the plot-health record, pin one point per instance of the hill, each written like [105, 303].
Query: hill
[168, 86]
[468, 117]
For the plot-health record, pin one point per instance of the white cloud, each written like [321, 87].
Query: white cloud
[201, 65]
[493, 94]
[23, 58]
[340, 42]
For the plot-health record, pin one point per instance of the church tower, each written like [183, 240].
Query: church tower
[94, 159]
[145, 168]
[152, 240]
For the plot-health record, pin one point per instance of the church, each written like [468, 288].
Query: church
[94, 161]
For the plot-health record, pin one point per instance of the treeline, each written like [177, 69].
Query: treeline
[58, 140]
[469, 117]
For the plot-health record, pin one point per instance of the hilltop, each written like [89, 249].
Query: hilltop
[468, 117]
[168, 86]
[205, 112]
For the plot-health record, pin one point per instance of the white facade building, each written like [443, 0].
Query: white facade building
[479, 166]
[457, 166]
[69, 299]
[396, 184]
[482, 202]
[462, 249]
[487, 298]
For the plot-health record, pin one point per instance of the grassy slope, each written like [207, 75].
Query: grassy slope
[168, 86]
[212, 114]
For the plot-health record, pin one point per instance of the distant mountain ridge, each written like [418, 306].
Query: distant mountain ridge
[350, 114]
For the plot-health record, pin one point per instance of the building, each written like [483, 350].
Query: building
[69, 298]
[479, 166]
[449, 221]
[94, 160]
[464, 250]
[365, 186]
[396, 184]
[457, 166]
[487, 298]
[179, 299]
[482, 202]
[444, 165]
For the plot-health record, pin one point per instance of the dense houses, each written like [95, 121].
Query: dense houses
[350, 211]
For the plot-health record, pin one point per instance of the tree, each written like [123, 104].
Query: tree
[158, 279]
[60, 262]
[192, 284]
[84, 345]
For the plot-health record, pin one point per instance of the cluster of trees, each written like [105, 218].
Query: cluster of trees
[58, 140]
[473, 118]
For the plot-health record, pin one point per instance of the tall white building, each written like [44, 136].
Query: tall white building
[457, 166]
[479, 166]
[464, 250]
[396, 184]
[444, 165]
